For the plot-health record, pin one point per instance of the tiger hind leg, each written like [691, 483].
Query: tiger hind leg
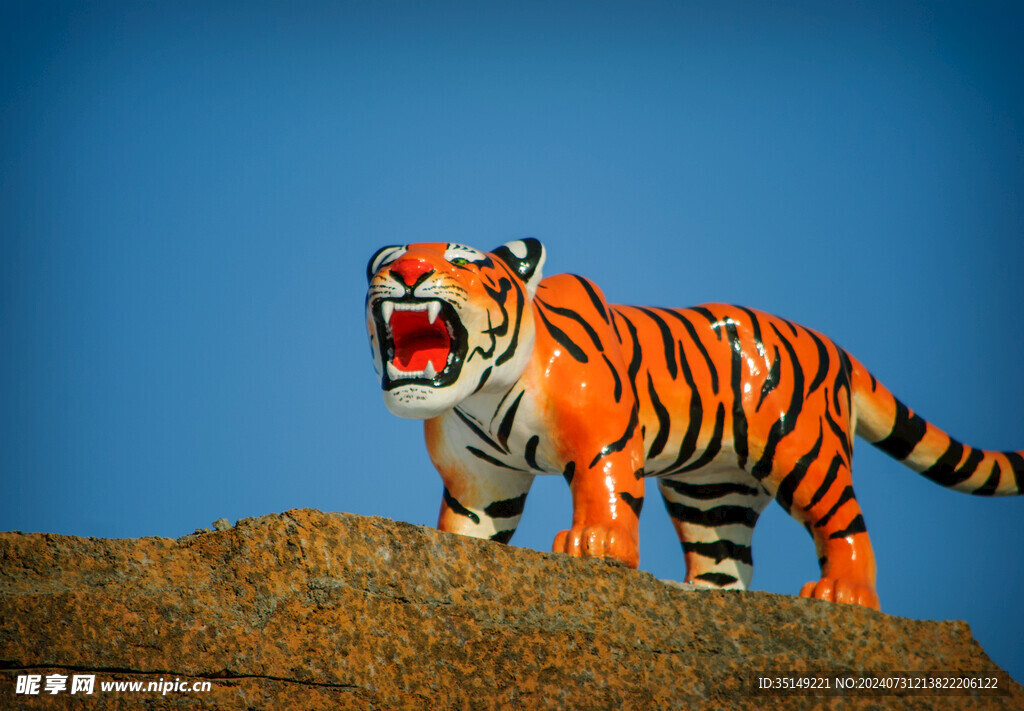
[714, 516]
[816, 489]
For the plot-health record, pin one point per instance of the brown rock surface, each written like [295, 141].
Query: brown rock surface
[306, 610]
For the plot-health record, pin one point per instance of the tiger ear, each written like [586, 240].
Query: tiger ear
[526, 258]
[378, 258]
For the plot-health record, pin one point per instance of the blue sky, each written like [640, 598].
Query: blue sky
[190, 191]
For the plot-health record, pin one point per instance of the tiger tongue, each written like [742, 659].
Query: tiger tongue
[418, 342]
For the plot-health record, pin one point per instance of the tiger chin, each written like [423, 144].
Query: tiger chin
[725, 407]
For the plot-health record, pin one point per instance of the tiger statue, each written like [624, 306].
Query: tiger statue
[726, 407]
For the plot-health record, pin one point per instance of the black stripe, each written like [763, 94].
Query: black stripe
[1017, 466]
[692, 331]
[664, 422]
[634, 502]
[570, 314]
[667, 341]
[716, 516]
[714, 446]
[615, 374]
[505, 428]
[843, 379]
[823, 362]
[563, 339]
[720, 550]
[719, 579]
[827, 482]
[514, 342]
[785, 424]
[739, 416]
[712, 319]
[991, 484]
[619, 444]
[506, 508]
[944, 471]
[689, 443]
[846, 495]
[637, 354]
[489, 459]
[503, 536]
[615, 324]
[483, 379]
[907, 431]
[531, 452]
[497, 408]
[477, 431]
[458, 508]
[569, 472]
[755, 324]
[792, 327]
[772, 381]
[708, 491]
[594, 298]
[856, 526]
[969, 466]
[843, 437]
[499, 295]
[789, 483]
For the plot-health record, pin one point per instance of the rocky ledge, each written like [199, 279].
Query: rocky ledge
[334, 611]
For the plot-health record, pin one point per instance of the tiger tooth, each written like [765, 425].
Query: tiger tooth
[433, 309]
[429, 371]
[386, 309]
[393, 372]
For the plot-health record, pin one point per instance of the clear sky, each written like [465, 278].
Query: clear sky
[190, 191]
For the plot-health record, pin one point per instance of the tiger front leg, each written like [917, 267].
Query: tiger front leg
[481, 499]
[607, 495]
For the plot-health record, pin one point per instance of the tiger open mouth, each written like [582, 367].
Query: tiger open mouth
[422, 342]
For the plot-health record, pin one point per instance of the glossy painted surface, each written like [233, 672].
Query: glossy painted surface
[727, 407]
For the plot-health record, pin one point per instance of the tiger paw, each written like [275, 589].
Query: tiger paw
[599, 541]
[842, 590]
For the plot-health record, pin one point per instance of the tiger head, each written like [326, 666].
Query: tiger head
[446, 321]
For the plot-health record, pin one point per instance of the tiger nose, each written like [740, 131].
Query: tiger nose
[411, 271]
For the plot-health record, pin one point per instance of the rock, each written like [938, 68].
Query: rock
[334, 611]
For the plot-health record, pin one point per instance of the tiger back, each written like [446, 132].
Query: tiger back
[726, 407]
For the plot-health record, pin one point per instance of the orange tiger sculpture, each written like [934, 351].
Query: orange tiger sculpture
[725, 406]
